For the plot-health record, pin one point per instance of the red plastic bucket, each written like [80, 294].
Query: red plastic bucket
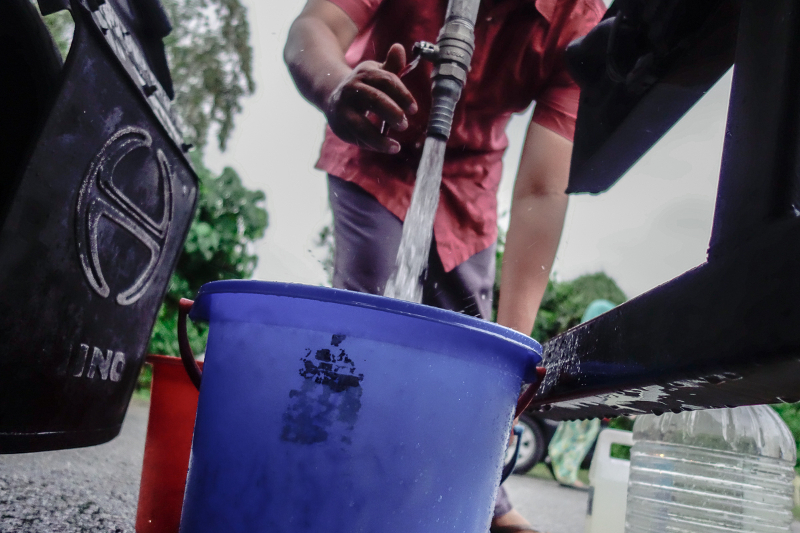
[173, 405]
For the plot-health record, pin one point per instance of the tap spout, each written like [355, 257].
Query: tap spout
[456, 43]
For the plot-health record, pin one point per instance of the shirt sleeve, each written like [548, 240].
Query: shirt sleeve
[557, 103]
[359, 11]
[557, 106]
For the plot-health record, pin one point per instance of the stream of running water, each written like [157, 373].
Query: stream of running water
[415, 243]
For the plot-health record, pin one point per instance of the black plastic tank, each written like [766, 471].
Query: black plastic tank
[91, 227]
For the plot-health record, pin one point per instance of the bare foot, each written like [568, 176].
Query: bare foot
[511, 522]
[578, 484]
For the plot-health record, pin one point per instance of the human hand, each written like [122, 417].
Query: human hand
[375, 88]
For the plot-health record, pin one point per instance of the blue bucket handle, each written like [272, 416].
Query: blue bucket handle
[517, 431]
[196, 375]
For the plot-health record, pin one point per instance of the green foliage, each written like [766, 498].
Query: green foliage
[211, 62]
[325, 242]
[228, 219]
[620, 451]
[145, 380]
[790, 413]
[624, 423]
[498, 266]
[564, 302]
[210, 59]
[61, 28]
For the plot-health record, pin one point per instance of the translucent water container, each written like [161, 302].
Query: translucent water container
[710, 471]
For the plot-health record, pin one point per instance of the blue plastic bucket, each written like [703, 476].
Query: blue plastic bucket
[330, 411]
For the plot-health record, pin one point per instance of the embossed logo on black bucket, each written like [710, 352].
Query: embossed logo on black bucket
[328, 400]
[100, 198]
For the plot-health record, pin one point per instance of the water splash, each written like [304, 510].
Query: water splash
[415, 243]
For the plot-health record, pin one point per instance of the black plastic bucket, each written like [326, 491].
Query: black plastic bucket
[88, 242]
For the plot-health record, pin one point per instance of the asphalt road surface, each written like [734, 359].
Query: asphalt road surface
[548, 506]
[97, 489]
[92, 489]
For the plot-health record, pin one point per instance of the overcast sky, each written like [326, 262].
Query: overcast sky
[650, 227]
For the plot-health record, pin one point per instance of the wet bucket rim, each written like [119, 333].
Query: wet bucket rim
[362, 300]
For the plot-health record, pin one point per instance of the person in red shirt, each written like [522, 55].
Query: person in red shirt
[345, 57]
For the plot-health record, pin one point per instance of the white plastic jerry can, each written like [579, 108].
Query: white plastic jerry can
[608, 480]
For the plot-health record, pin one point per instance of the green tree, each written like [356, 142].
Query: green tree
[210, 59]
[229, 217]
[61, 27]
[212, 65]
[790, 413]
[563, 302]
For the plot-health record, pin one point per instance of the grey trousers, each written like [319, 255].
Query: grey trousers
[367, 236]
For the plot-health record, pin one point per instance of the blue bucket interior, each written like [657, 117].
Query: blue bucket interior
[328, 410]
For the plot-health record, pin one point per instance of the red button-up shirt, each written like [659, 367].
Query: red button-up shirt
[518, 58]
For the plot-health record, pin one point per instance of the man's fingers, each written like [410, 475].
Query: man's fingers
[395, 59]
[384, 77]
[378, 76]
[396, 90]
[368, 136]
[372, 88]
[367, 98]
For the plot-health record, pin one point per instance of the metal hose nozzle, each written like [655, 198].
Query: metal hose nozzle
[456, 44]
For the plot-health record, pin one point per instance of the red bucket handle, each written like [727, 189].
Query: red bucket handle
[528, 395]
[191, 366]
[196, 375]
